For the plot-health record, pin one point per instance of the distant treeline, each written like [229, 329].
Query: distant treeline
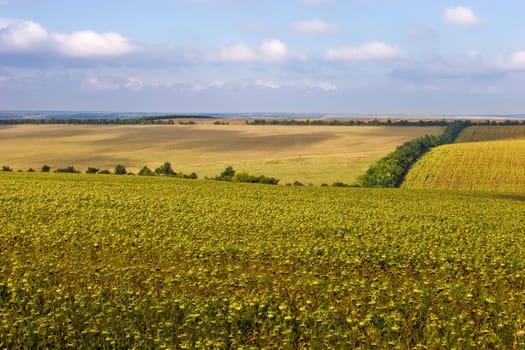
[375, 122]
[164, 119]
[391, 170]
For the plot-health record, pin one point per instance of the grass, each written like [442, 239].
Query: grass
[98, 262]
[494, 166]
[310, 154]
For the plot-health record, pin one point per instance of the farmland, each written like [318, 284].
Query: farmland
[474, 163]
[107, 261]
[310, 154]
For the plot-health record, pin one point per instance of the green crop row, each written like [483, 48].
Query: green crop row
[103, 262]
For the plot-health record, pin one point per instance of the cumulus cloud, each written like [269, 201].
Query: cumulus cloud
[461, 15]
[92, 44]
[22, 36]
[30, 37]
[269, 50]
[370, 51]
[274, 49]
[314, 26]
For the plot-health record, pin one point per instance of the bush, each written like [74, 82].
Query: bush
[165, 169]
[31, 170]
[298, 183]
[91, 170]
[120, 170]
[104, 172]
[6, 168]
[69, 169]
[226, 175]
[145, 171]
[45, 169]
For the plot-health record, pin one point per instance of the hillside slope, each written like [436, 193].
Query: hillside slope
[106, 261]
[497, 166]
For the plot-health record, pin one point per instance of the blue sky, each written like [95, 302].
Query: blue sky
[331, 56]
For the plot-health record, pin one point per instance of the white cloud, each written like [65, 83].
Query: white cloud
[314, 26]
[134, 84]
[92, 44]
[328, 87]
[22, 36]
[268, 84]
[461, 15]
[30, 37]
[270, 50]
[274, 49]
[3, 79]
[370, 51]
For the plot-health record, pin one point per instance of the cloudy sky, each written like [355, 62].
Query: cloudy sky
[329, 56]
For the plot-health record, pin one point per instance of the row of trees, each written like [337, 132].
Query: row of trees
[391, 170]
[229, 174]
[164, 170]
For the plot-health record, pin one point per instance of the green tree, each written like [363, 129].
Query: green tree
[165, 169]
[45, 169]
[120, 170]
[145, 171]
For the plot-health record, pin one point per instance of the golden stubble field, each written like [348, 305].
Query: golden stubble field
[310, 154]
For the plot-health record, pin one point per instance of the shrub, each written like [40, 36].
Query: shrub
[165, 169]
[91, 170]
[69, 169]
[226, 175]
[104, 172]
[6, 168]
[45, 169]
[120, 170]
[145, 171]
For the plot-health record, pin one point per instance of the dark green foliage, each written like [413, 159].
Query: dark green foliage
[92, 170]
[31, 170]
[340, 184]
[69, 169]
[297, 183]
[165, 170]
[45, 169]
[226, 175]
[391, 170]
[120, 170]
[6, 168]
[192, 176]
[104, 172]
[145, 171]
[261, 179]
[229, 174]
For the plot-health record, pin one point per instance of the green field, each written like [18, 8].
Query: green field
[105, 261]
[310, 154]
[474, 163]
[491, 133]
